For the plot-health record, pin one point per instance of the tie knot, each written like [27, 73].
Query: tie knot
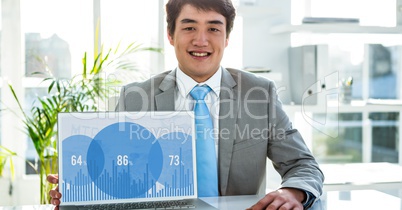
[199, 92]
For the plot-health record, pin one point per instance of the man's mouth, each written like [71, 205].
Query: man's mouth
[200, 54]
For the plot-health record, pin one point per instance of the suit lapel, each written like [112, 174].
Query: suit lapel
[227, 121]
[165, 100]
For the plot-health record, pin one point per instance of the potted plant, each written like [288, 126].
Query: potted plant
[81, 93]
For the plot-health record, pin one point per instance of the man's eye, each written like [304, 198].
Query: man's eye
[189, 28]
[214, 29]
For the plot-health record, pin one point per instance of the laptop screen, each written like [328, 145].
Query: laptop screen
[121, 156]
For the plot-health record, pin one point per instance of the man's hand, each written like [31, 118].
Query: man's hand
[54, 193]
[282, 199]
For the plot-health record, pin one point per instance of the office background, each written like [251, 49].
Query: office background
[269, 38]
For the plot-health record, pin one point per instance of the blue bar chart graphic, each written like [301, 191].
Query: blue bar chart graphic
[117, 164]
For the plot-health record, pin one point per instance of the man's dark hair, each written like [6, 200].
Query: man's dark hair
[223, 7]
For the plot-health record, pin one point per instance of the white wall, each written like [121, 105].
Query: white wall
[24, 191]
[262, 49]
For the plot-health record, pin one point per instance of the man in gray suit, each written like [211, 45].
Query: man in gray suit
[250, 122]
[247, 116]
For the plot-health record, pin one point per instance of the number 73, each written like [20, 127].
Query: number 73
[174, 160]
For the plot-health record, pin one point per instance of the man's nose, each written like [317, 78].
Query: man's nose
[200, 39]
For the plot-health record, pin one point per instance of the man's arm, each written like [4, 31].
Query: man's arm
[302, 179]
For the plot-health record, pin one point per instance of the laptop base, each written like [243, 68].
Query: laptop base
[160, 205]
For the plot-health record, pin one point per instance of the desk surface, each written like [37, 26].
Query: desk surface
[334, 200]
[243, 202]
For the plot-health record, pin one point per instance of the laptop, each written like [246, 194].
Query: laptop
[127, 160]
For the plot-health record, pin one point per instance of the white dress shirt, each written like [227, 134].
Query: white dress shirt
[184, 101]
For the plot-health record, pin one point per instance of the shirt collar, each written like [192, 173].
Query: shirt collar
[185, 83]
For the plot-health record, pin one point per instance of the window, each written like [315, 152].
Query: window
[385, 134]
[56, 34]
[128, 21]
[345, 146]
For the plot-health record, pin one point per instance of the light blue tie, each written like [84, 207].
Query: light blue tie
[207, 173]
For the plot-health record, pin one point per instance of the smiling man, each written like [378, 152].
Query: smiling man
[248, 121]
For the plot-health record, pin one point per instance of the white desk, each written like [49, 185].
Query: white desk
[244, 201]
[360, 199]
[335, 200]
[362, 176]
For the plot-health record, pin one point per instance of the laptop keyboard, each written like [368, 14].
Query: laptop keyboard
[179, 204]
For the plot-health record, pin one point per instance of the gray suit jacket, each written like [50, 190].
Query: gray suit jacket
[252, 126]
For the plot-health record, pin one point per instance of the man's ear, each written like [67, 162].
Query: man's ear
[227, 41]
[170, 37]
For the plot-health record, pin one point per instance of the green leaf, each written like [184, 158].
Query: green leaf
[8, 151]
[58, 86]
[50, 87]
[17, 100]
[12, 170]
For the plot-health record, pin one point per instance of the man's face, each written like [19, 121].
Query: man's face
[199, 40]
